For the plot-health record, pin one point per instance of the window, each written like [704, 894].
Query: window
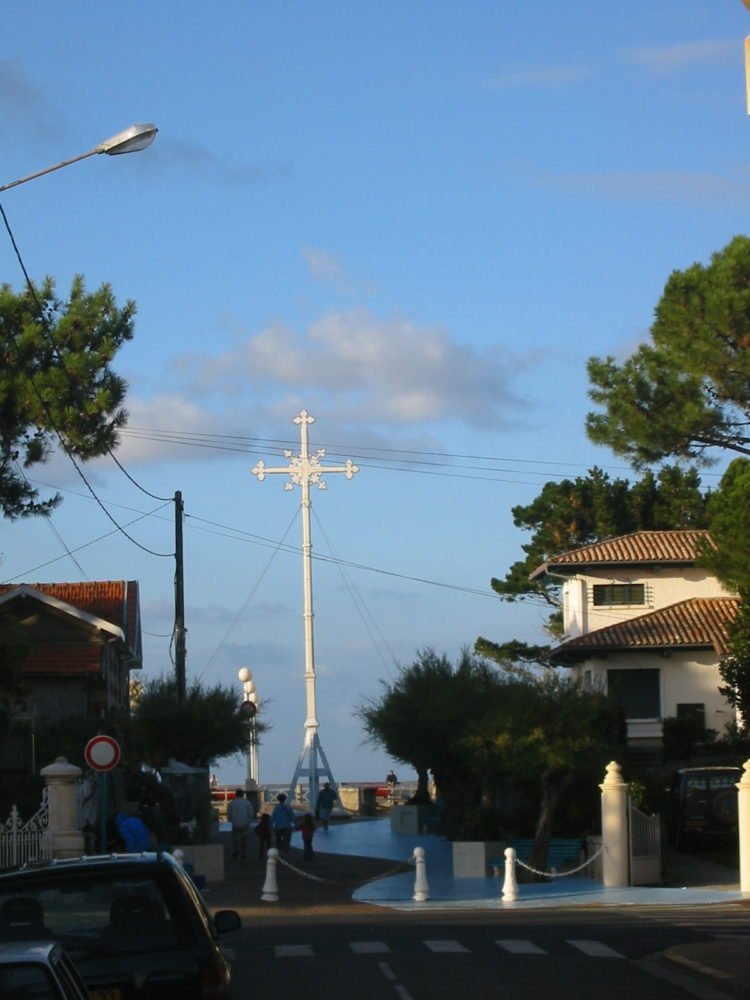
[619, 593]
[691, 710]
[636, 691]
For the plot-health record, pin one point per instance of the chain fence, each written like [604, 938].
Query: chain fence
[401, 867]
[565, 874]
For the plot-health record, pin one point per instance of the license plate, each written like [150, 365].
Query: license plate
[106, 995]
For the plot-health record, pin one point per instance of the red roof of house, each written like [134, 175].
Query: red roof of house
[114, 601]
[665, 547]
[694, 623]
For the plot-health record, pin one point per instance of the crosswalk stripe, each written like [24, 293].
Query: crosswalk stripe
[444, 947]
[513, 946]
[516, 947]
[293, 951]
[595, 949]
[369, 947]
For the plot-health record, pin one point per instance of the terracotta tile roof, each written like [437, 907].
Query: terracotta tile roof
[114, 601]
[666, 547]
[697, 622]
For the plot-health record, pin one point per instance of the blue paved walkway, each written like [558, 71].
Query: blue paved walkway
[375, 839]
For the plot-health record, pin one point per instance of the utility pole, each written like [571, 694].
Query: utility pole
[302, 471]
[179, 601]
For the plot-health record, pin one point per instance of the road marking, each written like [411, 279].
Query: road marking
[595, 949]
[386, 970]
[516, 947]
[293, 951]
[369, 947]
[445, 947]
[402, 992]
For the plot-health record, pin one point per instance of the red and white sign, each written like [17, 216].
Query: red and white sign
[102, 753]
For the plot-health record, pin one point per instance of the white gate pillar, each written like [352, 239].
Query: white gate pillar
[614, 828]
[743, 826]
[60, 778]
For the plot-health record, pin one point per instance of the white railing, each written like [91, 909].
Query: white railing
[645, 847]
[21, 842]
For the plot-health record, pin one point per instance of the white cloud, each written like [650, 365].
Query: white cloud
[390, 371]
[546, 77]
[322, 265]
[675, 58]
[660, 60]
[641, 186]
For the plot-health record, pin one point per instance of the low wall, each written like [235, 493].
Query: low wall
[470, 857]
[408, 819]
[206, 859]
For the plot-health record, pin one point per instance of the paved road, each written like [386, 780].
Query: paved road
[560, 955]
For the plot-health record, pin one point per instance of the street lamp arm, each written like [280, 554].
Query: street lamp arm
[130, 140]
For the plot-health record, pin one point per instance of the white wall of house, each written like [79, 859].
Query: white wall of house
[689, 677]
[662, 588]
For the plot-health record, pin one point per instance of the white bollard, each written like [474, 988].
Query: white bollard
[421, 888]
[271, 886]
[510, 886]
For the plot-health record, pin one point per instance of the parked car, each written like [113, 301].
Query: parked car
[39, 969]
[702, 803]
[135, 926]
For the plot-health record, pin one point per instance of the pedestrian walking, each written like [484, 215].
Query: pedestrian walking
[283, 821]
[324, 806]
[307, 829]
[240, 814]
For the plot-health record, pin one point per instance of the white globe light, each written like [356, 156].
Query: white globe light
[253, 698]
[244, 674]
[248, 687]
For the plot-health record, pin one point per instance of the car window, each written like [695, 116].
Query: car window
[717, 781]
[106, 913]
[27, 982]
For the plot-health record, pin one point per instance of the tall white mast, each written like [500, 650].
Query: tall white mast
[303, 470]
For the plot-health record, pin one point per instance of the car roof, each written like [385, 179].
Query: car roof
[710, 768]
[94, 863]
[20, 951]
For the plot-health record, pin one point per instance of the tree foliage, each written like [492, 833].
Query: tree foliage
[492, 738]
[687, 391]
[57, 386]
[588, 509]
[207, 725]
[728, 557]
[735, 666]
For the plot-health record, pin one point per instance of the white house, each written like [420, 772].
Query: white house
[648, 625]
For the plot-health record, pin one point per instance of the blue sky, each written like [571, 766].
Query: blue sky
[416, 220]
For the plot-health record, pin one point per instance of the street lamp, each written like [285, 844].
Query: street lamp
[130, 140]
[249, 710]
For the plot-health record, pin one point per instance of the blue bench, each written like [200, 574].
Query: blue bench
[560, 851]
[432, 822]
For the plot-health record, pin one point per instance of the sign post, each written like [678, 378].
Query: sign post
[102, 753]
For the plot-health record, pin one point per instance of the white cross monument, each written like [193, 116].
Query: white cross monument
[303, 470]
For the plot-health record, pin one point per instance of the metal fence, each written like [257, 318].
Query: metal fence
[30, 841]
[645, 847]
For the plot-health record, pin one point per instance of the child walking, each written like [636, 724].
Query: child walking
[307, 829]
[263, 832]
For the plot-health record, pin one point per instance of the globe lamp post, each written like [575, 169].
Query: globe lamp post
[249, 710]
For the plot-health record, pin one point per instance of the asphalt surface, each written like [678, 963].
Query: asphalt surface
[352, 886]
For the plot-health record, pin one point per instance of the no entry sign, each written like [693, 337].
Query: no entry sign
[102, 753]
